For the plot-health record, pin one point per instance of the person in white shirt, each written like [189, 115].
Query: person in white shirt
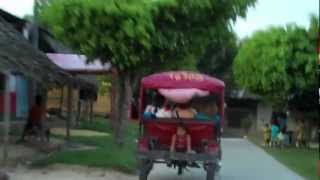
[164, 111]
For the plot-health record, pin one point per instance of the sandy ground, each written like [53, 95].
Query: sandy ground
[77, 132]
[19, 153]
[64, 172]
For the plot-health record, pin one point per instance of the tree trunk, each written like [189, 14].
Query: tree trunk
[91, 111]
[123, 105]
[114, 101]
[78, 113]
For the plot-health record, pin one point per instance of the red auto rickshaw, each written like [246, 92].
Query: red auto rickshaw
[156, 133]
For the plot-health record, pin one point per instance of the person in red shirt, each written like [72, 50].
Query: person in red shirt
[181, 141]
[35, 119]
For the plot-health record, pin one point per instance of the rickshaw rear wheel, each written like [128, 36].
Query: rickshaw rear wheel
[211, 169]
[144, 169]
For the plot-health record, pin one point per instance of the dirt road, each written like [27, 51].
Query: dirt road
[241, 161]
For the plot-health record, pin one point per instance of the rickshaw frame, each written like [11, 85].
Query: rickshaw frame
[147, 155]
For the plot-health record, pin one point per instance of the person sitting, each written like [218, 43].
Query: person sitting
[210, 112]
[35, 119]
[149, 112]
[181, 141]
[184, 111]
[164, 111]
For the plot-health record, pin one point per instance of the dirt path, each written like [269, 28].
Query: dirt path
[64, 172]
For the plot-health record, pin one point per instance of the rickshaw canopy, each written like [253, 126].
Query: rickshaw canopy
[183, 80]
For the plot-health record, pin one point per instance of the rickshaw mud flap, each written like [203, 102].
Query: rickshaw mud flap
[165, 155]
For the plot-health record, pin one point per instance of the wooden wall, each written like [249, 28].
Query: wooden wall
[101, 106]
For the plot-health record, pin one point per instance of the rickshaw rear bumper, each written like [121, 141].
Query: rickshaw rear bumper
[156, 155]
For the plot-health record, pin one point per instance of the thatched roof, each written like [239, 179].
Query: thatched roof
[18, 55]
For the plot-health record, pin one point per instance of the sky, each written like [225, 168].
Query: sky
[265, 13]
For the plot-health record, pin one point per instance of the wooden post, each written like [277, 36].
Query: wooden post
[61, 101]
[78, 116]
[6, 118]
[70, 113]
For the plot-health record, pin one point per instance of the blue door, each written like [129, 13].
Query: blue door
[22, 93]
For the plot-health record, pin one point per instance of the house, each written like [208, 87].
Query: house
[243, 106]
[30, 71]
[77, 66]
[22, 88]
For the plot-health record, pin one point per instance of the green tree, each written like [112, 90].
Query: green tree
[219, 55]
[134, 34]
[278, 63]
[39, 5]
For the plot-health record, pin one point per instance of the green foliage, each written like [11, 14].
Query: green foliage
[133, 33]
[105, 83]
[277, 63]
[219, 55]
[140, 36]
[117, 31]
[39, 5]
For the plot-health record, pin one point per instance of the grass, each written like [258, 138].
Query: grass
[106, 155]
[301, 161]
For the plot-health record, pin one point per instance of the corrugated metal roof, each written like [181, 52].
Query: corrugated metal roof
[77, 64]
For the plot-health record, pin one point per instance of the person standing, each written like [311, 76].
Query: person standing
[267, 135]
[35, 119]
[274, 134]
[301, 135]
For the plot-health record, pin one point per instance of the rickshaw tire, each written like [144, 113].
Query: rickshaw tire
[211, 171]
[145, 168]
[143, 176]
[180, 171]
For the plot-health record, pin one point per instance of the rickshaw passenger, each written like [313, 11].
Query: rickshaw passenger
[149, 112]
[210, 113]
[151, 109]
[164, 111]
[184, 111]
[181, 141]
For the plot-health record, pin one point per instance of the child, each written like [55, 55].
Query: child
[266, 135]
[35, 124]
[301, 135]
[181, 141]
[274, 134]
[281, 139]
